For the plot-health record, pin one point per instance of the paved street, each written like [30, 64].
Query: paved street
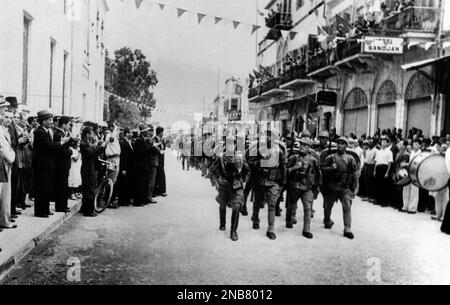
[177, 241]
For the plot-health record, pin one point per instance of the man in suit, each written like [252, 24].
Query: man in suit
[12, 129]
[126, 173]
[62, 165]
[160, 184]
[155, 151]
[142, 150]
[45, 152]
[7, 157]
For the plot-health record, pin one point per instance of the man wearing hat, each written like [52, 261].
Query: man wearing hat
[62, 165]
[304, 179]
[341, 169]
[143, 149]
[45, 152]
[14, 136]
[269, 176]
[323, 141]
[230, 172]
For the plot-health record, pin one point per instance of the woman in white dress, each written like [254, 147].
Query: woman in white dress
[75, 172]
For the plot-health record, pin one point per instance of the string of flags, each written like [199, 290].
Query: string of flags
[155, 109]
[217, 19]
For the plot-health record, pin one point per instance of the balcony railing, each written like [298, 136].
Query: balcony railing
[414, 19]
[280, 21]
[295, 72]
[321, 60]
[254, 92]
[349, 47]
[270, 84]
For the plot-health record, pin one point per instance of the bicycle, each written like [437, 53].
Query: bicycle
[105, 187]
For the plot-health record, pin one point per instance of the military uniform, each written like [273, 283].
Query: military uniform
[230, 174]
[303, 180]
[269, 176]
[341, 172]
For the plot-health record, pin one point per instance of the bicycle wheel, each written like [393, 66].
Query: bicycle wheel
[104, 194]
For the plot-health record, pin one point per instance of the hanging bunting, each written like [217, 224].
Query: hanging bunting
[255, 28]
[292, 35]
[200, 17]
[180, 12]
[161, 5]
[217, 20]
[284, 34]
[236, 24]
[138, 3]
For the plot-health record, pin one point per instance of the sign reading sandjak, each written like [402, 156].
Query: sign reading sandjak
[384, 45]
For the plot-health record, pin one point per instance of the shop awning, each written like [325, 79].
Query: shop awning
[441, 71]
[424, 63]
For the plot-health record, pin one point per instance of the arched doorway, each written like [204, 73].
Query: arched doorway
[355, 112]
[386, 97]
[418, 98]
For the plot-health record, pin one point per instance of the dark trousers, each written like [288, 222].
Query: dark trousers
[367, 182]
[24, 179]
[88, 187]
[14, 189]
[160, 184]
[381, 185]
[61, 189]
[151, 184]
[125, 188]
[426, 202]
[142, 181]
[42, 182]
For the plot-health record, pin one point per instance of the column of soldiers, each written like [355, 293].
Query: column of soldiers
[268, 167]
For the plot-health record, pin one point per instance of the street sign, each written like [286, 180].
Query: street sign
[383, 45]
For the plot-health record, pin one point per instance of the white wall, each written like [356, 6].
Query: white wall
[50, 22]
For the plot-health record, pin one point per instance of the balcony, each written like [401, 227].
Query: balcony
[254, 95]
[414, 22]
[279, 21]
[295, 77]
[271, 88]
[321, 64]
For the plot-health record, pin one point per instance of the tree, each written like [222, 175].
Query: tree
[130, 76]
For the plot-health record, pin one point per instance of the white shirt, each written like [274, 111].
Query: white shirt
[6, 150]
[370, 156]
[384, 157]
[414, 154]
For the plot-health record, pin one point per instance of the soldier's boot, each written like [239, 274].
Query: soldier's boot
[234, 226]
[244, 210]
[271, 220]
[255, 217]
[223, 215]
[278, 210]
[307, 223]
[289, 223]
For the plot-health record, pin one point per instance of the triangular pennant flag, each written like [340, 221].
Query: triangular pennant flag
[236, 24]
[180, 12]
[161, 5]
[138, 3]
[200, 17]
[217, 19]
[292, 35]
[284, 34]
[255, 28]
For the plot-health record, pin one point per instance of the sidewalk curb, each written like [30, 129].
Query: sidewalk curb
[13, 260]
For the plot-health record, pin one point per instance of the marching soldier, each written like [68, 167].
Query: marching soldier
[231, 173]
[341, 172]
[304, 179]
[269, 177]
